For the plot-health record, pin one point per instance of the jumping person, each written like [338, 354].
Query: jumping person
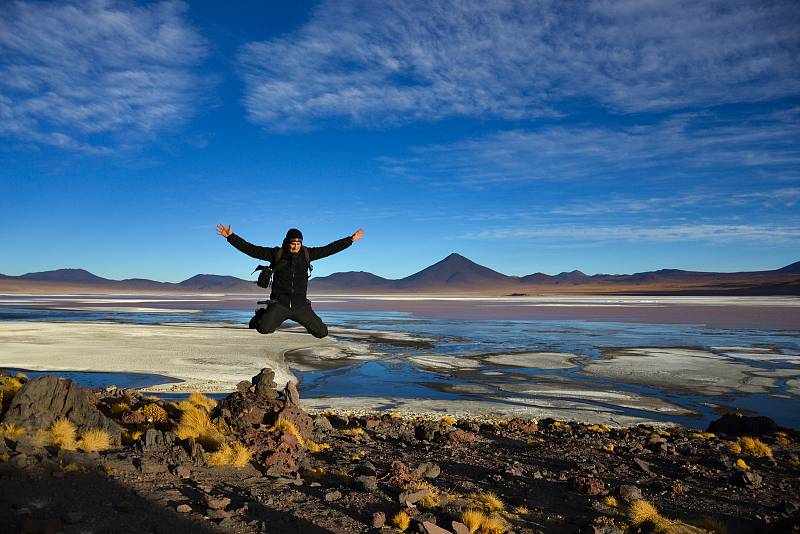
[290, 279]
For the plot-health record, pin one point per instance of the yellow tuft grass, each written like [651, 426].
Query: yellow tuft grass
[677, 488]
[315, 472]
[735, 448]
[358, 431]
[41, 438]
[401, 520]
[195, 424]
[396, 415]
[782, 439]
[608, 447]
[62, 434]
[598, 428]
[610, 500]
[10, 385]
[493, 524]
[447, 421]
[740, 463]
[489, 500]
[702, 435]
[71, 468]
[155, 413]
[94, 440]
[641, 512]
[794, 462]
[431, 499]
[473, 519]
[236, 455]
[314, 447]
[202, 401]
[754, 447]
[119, 408]
[11, 431]
[521, 510]
[4, 457]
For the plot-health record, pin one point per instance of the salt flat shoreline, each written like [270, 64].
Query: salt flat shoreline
[213, 359]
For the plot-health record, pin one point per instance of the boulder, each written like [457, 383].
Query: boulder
[742, 425]
[44, 399]
[587, 486]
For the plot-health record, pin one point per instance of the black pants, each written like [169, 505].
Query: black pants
[266, 321]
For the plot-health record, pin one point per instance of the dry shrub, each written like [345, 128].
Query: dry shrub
[358, 431]
[401, 520]
[155, 413]
[490, 501]
[236, 455]
[431, 499]
[314, 447]
[447, 421]
[608, 447]
[598, 428]
[41, 438]
[521, 510]
[677, 488]
[610, 500]
[62, 434]
[641, 512]
[702, 435]
[741, 464]
[754, 447]
[11, 431]
[95, 440]
[119, 408]
[473, 519]
[493, 524]
[202, 401]
[195, 424]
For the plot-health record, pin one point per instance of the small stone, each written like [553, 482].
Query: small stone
[587, 486]
[431, 528]
[367, 483]
[217, 503]
[20, 461]
[629, 493]
[378, 520]
[334, 495]
[459, 528]
[243, 386]
[647, 467]
[428, 470]
[750, 479]
[461, 436]
[218, 514]
[183, 471]
[366, 468]
[413, 496]
[183, 508]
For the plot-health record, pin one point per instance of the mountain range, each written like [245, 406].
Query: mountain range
[453, 274]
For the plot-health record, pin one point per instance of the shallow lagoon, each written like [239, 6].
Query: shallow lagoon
[396, 369]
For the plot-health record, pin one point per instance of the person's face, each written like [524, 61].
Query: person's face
[294, 246]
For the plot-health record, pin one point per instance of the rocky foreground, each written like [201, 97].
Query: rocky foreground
[78, 460]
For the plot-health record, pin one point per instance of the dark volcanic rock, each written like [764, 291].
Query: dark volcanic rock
[742, 425]
[46, 398]
[587, 486]
[156, 439]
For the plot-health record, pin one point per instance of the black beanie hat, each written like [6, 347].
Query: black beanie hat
[293, 233]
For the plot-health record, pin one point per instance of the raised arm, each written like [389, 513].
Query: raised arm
[315, 253]
[254, 251]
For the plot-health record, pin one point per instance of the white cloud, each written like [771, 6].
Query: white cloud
[685, 146]
[716, 233]
[71, 73]
[375, 63]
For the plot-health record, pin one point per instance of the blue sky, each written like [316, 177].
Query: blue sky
[609, 137]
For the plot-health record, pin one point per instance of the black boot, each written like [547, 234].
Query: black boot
[256, 318]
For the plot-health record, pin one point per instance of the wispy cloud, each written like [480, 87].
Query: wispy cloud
[715, 233]
[373, 63]
[684, 145]
[72, 73]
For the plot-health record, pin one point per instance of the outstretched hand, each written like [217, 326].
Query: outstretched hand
[356, 236]
[224, 232]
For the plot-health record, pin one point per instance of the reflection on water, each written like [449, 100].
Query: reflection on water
[394, 376]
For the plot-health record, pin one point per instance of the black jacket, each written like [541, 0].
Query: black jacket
[290, 281]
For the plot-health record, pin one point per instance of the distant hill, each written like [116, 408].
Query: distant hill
[453, 274]
[455, 271]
